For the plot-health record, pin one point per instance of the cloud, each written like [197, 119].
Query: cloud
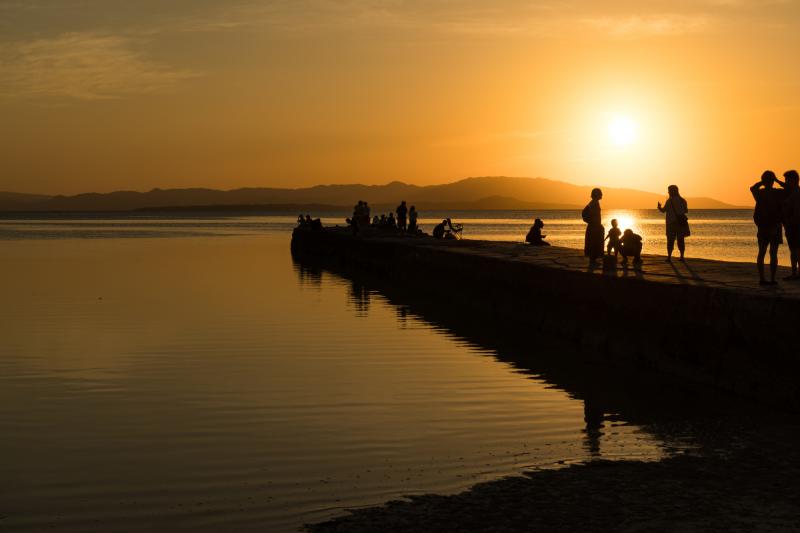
[84, 66]
[650, 26]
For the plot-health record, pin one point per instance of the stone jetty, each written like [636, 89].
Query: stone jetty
[702, 321]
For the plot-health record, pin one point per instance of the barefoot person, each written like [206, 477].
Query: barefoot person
[677, 221]
[595, 233]
[767, 216]
[791, 220]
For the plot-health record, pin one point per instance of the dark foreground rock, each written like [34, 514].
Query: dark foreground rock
[756, 490]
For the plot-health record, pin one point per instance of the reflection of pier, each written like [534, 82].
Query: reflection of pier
[670, 412]
[705, 321]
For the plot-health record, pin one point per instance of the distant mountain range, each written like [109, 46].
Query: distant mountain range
[471, 193]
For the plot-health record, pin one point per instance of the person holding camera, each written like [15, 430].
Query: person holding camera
[768, 216]
[676, 210]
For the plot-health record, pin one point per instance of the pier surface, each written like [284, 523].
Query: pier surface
[701, 320]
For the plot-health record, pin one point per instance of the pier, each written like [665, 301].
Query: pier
[701, 321]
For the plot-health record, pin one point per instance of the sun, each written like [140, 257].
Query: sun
[623, 130]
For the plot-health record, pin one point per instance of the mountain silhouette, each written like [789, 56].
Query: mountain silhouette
[470, 193]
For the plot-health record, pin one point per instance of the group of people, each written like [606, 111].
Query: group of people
[308, 222]
[406, 219]
[627, 243]
[777, 210]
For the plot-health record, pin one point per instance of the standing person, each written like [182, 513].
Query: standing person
[401, 215]
[613, 238]
[412, 220]
[365, 221]
[595, 233]
[676, 209]
[791, 219]
[767, 216]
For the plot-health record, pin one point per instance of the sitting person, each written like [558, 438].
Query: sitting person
[391, 223]
[376, 220]
[631, 246]
[302, 221]
[534, 236]
[438, 230]
[613, 238]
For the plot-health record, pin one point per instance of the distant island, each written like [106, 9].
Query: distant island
[481, 193]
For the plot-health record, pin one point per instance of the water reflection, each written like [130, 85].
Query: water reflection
[676, 414]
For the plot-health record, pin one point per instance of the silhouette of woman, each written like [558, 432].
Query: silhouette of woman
[595, 233]
[677, 222]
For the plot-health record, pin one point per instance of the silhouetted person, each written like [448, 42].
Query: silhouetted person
[391, 223]
[382, 221]
[438, 230]
[412, 220]
[401, 211]
[302, 221]
[791, 219]
[676, 210]
[630, 246]
[376, 221]
[613, 238]
[595, 233]
[534, 236]
[365, 215]
[767, 216]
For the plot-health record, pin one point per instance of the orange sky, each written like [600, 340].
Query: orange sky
[110, 94]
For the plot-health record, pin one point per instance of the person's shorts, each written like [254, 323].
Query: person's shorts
[793, 236]
[772, 235]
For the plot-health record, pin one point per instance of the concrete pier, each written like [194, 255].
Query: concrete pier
[702, 321]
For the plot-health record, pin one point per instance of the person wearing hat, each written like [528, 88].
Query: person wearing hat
[767, 216]
[791, 219]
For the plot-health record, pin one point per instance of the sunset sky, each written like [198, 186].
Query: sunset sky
[100, 95]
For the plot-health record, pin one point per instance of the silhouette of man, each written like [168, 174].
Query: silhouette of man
[401, 215]
[767, 216]
[791, 219]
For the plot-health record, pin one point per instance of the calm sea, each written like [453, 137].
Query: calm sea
[186, 373]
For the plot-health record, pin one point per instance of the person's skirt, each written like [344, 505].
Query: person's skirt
[678, 230]
[593, 245]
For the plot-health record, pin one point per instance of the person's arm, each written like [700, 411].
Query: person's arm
[662, 209]
[754, 190]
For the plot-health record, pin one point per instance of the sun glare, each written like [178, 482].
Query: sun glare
[622, 130]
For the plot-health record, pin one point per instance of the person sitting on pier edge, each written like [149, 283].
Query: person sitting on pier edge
[391, 223]
[767, 216]
[613, 238]
[630, 246]
[302, 221]
[412, 220]
[676, 210]
[375, 220]
[534, 236]
[595, 232]
[401, 210]
[791, 219]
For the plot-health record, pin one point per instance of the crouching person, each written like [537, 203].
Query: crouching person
[631, 246]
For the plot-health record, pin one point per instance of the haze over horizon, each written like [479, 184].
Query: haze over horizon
[105, 95]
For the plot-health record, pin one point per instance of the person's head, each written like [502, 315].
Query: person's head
[792, 178]
[413, 208]
[445, 221]
[391, 215]
[403, 202]
[628, 232]
[597, 194]
[672, 190]
[614, 222]
[768, 178]
[308, 217]
[538, 223]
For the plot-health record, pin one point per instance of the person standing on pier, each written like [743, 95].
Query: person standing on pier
[412, 220]
[676, 209]
[401, 215]
[767, 216]
[791, 219]
[595, 232]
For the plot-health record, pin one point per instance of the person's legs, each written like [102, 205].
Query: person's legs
[681, 246]
[670, 244]
[762, 251]
[773, 260]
